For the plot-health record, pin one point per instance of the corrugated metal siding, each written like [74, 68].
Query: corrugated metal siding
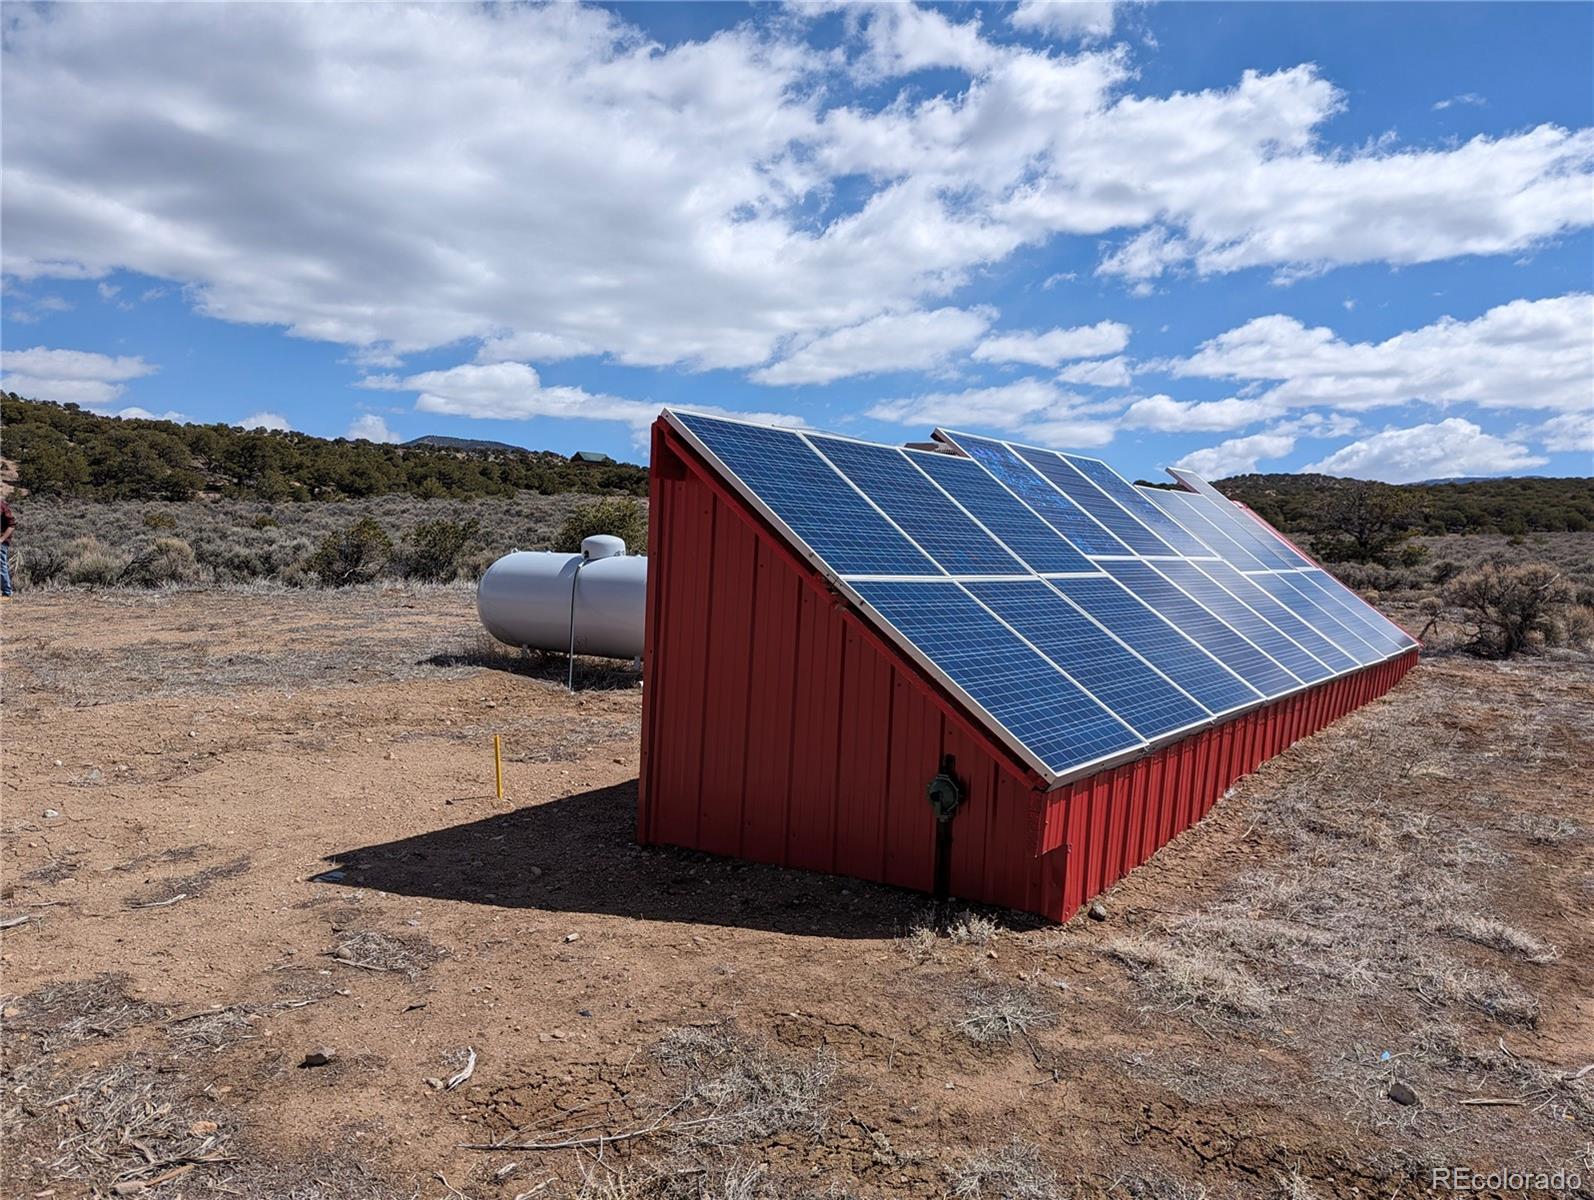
[779, 726]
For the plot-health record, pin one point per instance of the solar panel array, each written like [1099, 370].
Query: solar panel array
[1083, 617]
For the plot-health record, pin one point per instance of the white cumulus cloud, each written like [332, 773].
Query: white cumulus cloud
[70, 376]
[1237, 456]
[1038, 410]
[274, 422]
[514, 391]
[912, 341]
[370, 427]
[1055, 345]
[1524, 354]
[1103, 372]
[547, 181]
[1436, 451]
[1167, 415]
[1066, 18]
[1572, 432]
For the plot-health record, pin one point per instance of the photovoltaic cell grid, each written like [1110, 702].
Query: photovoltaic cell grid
[922, 510]
[1061, 725]
[1103, 656]
[1111, 515]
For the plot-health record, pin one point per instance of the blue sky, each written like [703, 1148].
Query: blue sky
[1352, 238]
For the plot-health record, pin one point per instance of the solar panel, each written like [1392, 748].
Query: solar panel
[811, 499]
[1120, 489]
[1184, 508]
[1317, 617]
[1057, 510]
[919, 508]
[1351, 612]
[1096, 502]
[1248, 661]
[1157, 640]
[1279, 646]
[1079, 617]
[1103, 666]
[1023, 691]
[1016, 525]
[1256, 597]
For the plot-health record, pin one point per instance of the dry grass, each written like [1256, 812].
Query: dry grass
[732, 1090]
[65, 1014]
[133, 1123]
[1016, 1171]
[1183, 976]
[371, 950]
[1486, 931]
[995, 1014]
[189, 887]
[1542, 829]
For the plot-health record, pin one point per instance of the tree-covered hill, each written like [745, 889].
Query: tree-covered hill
[64, 450]
[1521, 505]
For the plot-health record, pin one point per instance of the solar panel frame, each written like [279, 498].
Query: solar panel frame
[1187, 576]
[1216, 685]
[1281, 618]
[1258, 662]
[1276, 584]
[815, 554]
[1181, 507]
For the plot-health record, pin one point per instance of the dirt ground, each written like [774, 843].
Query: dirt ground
[248, 829]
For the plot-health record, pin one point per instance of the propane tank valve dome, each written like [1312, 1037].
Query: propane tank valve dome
[602, 545]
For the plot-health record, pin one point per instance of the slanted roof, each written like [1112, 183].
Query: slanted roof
[1080, 619]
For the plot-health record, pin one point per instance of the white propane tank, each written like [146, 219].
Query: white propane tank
[527, 599]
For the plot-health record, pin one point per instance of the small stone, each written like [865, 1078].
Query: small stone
[434, 1083]
[1098, 911]
[319, 1058]
[572, 937]
[59, 763]
[533, 872]
[50, 814]
[192, 734]
[1401, 1094]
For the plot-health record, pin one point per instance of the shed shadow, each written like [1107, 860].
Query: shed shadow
[578, 854]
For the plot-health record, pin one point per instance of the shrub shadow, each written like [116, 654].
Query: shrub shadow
[578, 854]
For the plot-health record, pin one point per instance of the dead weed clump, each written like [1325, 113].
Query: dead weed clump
[1543, 829]
[732, 1091]
[1497, 935]
[63, 1014]
[122, 1129]
[371, 950]
[1016, 1171]
[994, 1014]
[1193, 975]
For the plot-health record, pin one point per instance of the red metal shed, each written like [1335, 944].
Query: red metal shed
[779, 725]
